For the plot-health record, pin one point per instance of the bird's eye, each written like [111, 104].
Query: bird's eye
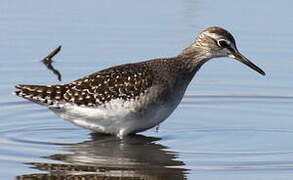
[223, 43]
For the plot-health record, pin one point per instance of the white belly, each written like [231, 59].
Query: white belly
[118, 117]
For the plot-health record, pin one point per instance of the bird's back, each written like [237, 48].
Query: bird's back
[125, 81]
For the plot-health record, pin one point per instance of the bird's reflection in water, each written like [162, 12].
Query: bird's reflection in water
[134, 157]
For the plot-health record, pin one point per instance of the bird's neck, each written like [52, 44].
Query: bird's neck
[191, 59]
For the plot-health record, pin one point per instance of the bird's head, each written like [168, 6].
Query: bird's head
[218, 42]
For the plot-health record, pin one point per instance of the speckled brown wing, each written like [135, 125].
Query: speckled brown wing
[125, 81]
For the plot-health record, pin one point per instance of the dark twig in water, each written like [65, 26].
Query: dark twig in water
[47, 61]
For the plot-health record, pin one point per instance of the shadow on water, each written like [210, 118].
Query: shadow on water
[134, 157]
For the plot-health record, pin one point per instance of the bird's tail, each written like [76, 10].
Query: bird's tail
[44, 95]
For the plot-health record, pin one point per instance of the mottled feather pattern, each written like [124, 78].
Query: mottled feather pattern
[126, 82]
[49, 95]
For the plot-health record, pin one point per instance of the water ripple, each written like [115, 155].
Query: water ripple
[236, 98]
[33, 135]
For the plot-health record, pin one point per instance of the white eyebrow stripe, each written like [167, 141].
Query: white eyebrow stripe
[212, 35]
[216, 37]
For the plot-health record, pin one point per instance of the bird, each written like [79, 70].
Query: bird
[131, 98]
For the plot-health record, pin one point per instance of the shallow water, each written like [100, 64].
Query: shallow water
[232, 123]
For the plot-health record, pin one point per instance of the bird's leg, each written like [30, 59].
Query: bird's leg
[157, 128]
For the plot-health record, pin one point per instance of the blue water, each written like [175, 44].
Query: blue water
[232, 123]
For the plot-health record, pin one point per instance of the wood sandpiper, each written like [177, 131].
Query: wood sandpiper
[131, 98]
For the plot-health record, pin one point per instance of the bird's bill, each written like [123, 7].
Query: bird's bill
[238, 56]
